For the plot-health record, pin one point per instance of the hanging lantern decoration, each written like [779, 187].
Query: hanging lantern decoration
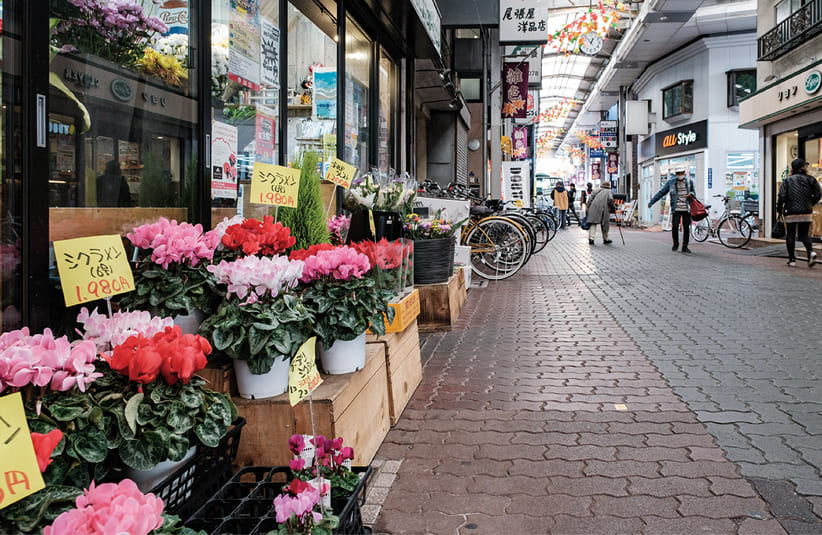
[588, 139]
[544, 144]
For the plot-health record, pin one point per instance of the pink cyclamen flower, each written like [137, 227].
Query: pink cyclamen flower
[342, 263]
[296, 444]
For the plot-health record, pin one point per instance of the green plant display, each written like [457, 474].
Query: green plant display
[307, 221]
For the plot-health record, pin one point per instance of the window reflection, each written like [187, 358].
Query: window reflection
[357, 66]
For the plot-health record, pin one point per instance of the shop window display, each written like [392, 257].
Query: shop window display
[387, 81]
[358, 57]
[245, 87]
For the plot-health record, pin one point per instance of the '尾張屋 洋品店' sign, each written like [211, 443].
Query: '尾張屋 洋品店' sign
[523, 21]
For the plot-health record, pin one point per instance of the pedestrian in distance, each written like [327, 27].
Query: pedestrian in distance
[797, 195]
[560, 197]
[600, 207]
[583, 199]
[572, 193]
[681, 191]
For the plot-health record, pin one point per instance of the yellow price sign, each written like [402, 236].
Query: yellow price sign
[275, 185]
[95, 267]
[18, 463]
[341, 173]
[303, 376]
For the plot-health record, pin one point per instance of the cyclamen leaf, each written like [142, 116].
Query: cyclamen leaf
[209, 433]
[177, 447]
[132, 408]
[190, 397]
[145, 452]
[90, 444]
[62, 413]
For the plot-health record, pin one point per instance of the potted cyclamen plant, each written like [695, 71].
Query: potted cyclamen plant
[170, 273]
[340, 290]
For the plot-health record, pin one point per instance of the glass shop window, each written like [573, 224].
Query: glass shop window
[358, 57]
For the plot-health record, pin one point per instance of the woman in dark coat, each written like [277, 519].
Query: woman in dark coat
[600, 206]
[797, 195]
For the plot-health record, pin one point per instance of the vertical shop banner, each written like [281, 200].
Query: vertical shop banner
[523, 21]
[325, 93]
[269, 54]
[244, 43]
[18, 460]
[596, 170]
[613, 163]
[223, 161]
[265, 134]
[516, 182]
[520, 140]
[514, 90]
[174, 14]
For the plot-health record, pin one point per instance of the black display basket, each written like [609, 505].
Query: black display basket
[245, 505]
[191, 485]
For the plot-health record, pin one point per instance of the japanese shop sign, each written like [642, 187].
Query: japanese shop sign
[534, 55]
[21, 475]
[269, 53]
[341, 173]
[324, 99]
[523, 21]
[613, 163]
[95, 267]
[514, 90]
[275, 184]
[516, 182]
[520, 136]
[303, 376]
[244, 43]
[596, 170]
[429, 15]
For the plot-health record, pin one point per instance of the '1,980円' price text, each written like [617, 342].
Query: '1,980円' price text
[102, 288]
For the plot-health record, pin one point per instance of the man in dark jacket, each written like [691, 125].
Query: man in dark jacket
[572, 193]
[681, 191]
[797, 195]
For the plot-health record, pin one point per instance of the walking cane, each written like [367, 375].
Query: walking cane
[619, 226]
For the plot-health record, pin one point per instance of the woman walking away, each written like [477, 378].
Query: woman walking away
[560, 198]
[600, 206]
[797, 195]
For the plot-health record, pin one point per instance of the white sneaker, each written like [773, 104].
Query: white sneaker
[812, 260]
[791, 263]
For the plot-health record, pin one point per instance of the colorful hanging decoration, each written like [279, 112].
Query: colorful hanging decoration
[577, 154]
[588, 139]
[600, 19]
[544, 141]
[557, 111]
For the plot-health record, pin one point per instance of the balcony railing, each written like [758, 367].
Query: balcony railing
[802, 25]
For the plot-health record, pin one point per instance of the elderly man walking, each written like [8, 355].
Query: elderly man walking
[681, 191]
[600, 206]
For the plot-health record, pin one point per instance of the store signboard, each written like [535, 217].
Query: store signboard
[429, 15]
[534, 59]
[269, 54]
[608, 134]
[244, 43]
[612, 166]
[92, 268]
[596, 170]
[516, 182]
[18, 461]
[523, 21]
[783, 98]
[682, 139]
[223, 161]
[265, 130]
[325, 93]
[520, 141]
[514, 90]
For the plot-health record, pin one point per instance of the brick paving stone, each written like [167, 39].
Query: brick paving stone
[553, 467]
[467, 468]
[453, 504]
[732, 486]
[600, 525]
[505, 486]
[692, 524]
[554, 504]
[476, 524]
[588, 486]
[635, 506]
[722, 506]
[669, 486]
[401, 523]
[652, 453]
[621, 468]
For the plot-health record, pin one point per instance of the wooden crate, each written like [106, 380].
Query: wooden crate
[406, 310]
[353, 406]
[220, 377]
[403, 364]
[440, 304]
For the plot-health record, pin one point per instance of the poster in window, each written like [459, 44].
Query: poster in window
[105, 153]
[515, 90]
[223, 161]
[520, 141]
[269, 54]
[244, 43]
[613, 163]
[325, 93]
[174, 14]
[264, 134]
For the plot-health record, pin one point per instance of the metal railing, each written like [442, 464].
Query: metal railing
[803, 24]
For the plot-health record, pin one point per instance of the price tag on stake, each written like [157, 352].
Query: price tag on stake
[274, 185]
[95, 267]
[341, 173]
[303, 376]
[18, 462]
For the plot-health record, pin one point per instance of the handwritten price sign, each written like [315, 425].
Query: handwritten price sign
[341, 173]
[275, 184]
[91, 268]
[303, 376]
[18, 464]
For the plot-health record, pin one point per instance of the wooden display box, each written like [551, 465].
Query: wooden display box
[220, 377]
[406, 311]
[353, 406]
[440, 304]
[403, 364]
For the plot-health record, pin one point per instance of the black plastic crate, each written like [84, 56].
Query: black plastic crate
[245, 504]
[191, 485]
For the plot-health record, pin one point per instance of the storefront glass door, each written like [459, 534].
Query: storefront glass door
[358, 57]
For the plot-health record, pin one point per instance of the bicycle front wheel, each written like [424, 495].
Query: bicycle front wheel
[498, 248]
[734, 232]
[701, 230]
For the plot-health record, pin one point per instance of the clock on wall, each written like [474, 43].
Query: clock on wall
[591, 43]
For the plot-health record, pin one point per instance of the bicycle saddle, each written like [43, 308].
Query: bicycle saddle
[481, 211]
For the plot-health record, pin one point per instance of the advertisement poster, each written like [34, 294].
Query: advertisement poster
[596, 170]
[514, 90]
[325, 93]
[244, 43]
[269, 54]
[265, 134]
[223, 161]
[520, 141]
[516, 182]
[174, 14]
[613, 163]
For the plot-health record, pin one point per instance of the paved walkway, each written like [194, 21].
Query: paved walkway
[618, 389]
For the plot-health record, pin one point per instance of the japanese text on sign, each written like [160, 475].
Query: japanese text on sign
[92, 268]
[341, 173]
[303, 376]
[523, 24]
[19, 473]
[275, 184]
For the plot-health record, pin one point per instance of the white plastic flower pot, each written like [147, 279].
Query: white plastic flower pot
[267, 385]
[344, 356]
[148, 479]
[190, 323]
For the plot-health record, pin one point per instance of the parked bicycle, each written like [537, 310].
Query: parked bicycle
[731, 228]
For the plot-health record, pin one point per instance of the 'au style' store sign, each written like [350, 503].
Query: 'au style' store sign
[682, 139]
